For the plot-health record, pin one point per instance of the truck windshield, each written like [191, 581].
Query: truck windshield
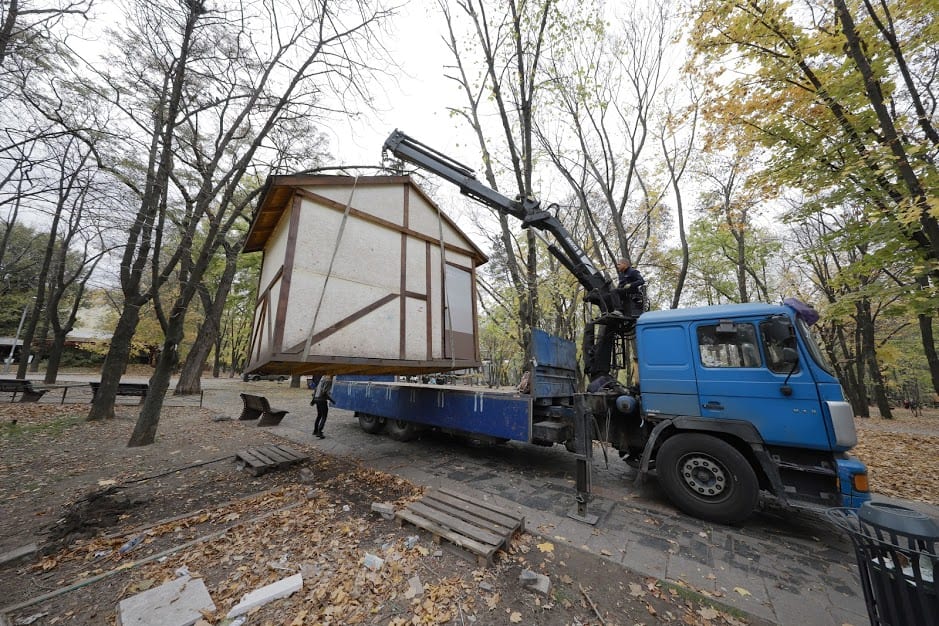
[814, 349]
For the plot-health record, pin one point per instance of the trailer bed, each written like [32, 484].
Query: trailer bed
[501, 413]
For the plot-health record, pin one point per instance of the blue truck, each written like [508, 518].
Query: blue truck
[733, 405]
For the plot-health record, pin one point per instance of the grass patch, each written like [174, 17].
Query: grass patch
[52, 428]
[715, 603]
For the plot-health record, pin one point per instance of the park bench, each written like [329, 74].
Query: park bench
[124, 389]
[21, 386]
[258, 406]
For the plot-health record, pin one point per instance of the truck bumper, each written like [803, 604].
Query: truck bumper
[852, 479]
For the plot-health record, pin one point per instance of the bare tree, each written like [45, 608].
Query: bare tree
[605, 81]
[509, 38]
[199, 91]
[677, 139]
[732, 205]
[27, 26]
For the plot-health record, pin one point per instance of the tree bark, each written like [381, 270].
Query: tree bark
[190, 377]
[869, 358]
[929, 348]
[145, 429]
[102, 406]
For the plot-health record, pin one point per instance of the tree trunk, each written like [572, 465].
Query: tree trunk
[102, 407]
[929, 348]
[869, 357]
[55, 357]
[40, 341]
[217, 357]
[145, 429]
[190, 378]
[854, 387]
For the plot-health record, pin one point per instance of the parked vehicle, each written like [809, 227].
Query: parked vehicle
[735, 403]
[256, 377]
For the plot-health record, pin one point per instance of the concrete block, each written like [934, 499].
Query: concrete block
[415, 588]
[535, 582]
[259, 597]
[385, 509]
[18, 554]
[176, 603]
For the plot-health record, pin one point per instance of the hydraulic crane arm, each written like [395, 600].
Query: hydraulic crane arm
[528, 210]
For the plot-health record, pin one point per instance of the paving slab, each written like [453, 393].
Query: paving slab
[176, 603]
[268, 593]
[18, 554]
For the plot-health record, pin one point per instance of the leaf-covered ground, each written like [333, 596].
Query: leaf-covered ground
[901, 454]
[115, 521]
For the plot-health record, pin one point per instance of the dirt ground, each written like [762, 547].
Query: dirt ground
[113, 521]
[188, 504]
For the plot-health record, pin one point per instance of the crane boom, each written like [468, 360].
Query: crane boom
[528, 210]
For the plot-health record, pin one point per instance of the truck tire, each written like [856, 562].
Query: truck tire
[372, 424]
[708, 478]
[400, 430]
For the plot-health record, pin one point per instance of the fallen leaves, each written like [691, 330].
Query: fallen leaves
[892, 454]
[708, 613]
[546, 547]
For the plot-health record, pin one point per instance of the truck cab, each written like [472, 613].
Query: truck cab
[741, 399]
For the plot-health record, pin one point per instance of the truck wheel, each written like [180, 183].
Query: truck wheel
[708, 478]
[372, 424]
[400, 430]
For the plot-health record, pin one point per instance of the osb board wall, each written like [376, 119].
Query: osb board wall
[373, 293]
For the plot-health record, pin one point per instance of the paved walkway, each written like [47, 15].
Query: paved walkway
[789, 568]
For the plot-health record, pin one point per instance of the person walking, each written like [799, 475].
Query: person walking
[321, 398]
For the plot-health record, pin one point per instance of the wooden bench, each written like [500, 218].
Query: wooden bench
[124, 389]
[21, 386]
[258, 406]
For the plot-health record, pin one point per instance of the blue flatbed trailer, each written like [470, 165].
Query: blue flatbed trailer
[500, 414]
[473, 410]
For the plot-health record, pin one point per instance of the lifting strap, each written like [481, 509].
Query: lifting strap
[329, 270]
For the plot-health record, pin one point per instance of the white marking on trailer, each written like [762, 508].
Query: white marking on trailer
[478, 402]
[441, 399]
[413, 396]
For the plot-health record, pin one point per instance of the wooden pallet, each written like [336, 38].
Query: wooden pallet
[263, 458]
[478, 527]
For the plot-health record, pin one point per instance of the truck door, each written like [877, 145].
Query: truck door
[742, 375]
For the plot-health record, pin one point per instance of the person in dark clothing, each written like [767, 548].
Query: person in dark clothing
[629, 277]
[630, 281]
[321, 399]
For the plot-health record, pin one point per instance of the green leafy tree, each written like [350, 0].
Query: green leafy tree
[839, 95]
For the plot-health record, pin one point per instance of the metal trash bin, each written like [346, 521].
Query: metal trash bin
[897, 553]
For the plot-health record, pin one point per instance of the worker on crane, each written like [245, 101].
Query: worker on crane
[630, 281]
